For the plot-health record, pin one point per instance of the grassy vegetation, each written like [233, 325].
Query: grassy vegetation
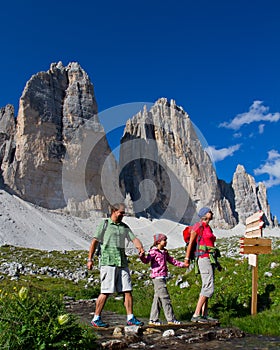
[231, 302]
[30, 319]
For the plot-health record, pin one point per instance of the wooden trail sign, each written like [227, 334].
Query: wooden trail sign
[254, 225]
[253, 244]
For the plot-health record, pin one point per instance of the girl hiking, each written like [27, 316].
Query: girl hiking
[158, 256]
[203, 238]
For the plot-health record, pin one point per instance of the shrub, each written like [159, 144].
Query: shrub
[31, 320]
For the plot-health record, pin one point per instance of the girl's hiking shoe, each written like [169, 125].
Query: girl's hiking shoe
[134, 322]
[154, 323]
[199, 319]
[174, 322]
[99, 323]
[211, 319]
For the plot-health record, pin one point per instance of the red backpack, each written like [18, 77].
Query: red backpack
[187, 234]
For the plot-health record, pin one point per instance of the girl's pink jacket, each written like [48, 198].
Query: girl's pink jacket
[158, 259]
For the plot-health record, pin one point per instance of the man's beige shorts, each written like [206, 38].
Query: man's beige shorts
[115, 279]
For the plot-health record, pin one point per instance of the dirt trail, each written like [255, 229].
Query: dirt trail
[190, 335]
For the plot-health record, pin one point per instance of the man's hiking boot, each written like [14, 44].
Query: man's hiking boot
[134, 322]
[199, 319]
[99, 323]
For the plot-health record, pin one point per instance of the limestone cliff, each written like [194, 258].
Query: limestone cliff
[7, 133]
[249, 197]
[60, 145]
[165, 169]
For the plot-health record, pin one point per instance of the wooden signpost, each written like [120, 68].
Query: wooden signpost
[253, 244]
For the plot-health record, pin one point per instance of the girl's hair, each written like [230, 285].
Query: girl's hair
[158, 238]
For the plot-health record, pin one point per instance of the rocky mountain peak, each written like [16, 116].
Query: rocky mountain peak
[57, 120]
[168, 174]
[249, 197]
[164, 167]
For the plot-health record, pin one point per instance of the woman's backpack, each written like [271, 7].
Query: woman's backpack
[186, 236]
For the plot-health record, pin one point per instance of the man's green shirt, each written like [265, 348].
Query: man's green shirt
[113, 243]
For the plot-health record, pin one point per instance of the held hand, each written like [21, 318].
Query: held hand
[89, 265]
[187, 262]
[141, 251]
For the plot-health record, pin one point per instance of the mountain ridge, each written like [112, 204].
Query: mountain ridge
[55, 154]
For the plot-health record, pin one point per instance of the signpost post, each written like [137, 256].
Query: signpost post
[253, 244]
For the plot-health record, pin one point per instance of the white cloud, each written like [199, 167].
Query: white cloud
[272, 168]
[257, 112]
[273, 154]
[237, 135]
[261, 128]
[220, 154]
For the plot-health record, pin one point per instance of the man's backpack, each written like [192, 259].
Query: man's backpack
[99, 244]
[186, 235]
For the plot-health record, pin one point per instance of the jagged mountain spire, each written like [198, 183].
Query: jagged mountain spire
[60, 146]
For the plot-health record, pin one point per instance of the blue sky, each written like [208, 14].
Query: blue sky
[219, 60]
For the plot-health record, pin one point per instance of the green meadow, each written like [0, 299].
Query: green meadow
[52, 276]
